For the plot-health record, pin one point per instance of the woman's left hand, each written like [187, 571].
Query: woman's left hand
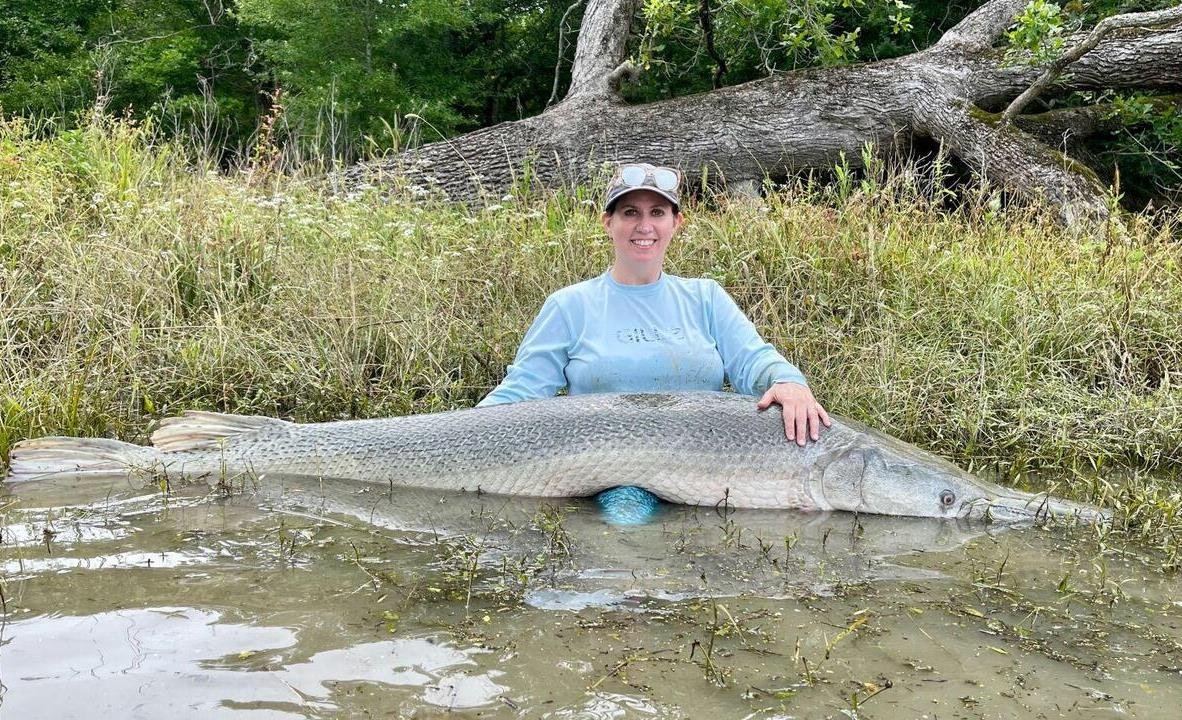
[803, 415]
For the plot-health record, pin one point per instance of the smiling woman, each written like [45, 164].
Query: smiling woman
[641, 226]
[636, 328]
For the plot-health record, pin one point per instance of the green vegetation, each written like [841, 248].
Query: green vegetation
[343, 72]
[134, 286]
[351, 78]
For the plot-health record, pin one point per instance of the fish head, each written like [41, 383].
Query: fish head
[879, 481]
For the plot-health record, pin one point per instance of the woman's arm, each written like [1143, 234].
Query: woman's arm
[755, 367]
[539, 369]
[752, 365]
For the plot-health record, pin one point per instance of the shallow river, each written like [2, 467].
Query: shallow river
[291, 598]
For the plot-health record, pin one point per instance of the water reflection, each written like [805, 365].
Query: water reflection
[187, 662]
[686, 552]
[610, 706]
[21, 568]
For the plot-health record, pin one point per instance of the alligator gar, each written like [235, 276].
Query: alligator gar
[702, 448]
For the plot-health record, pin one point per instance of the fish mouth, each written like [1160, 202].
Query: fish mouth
[1017, 506]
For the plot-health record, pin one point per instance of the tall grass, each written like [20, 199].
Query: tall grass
[135, 285]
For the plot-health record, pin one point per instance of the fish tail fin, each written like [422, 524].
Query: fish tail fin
[54, 456]
[94, 457]
[199, 430]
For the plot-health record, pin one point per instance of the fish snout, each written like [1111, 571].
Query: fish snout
[1015, 506]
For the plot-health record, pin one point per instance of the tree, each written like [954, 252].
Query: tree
[172, 59]
[952, 92]
[345, 71]
[361, 65]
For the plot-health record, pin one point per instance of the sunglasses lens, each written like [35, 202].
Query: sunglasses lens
[632, 175]
[665, 179]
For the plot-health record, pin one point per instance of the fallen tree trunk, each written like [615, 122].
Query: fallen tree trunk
[792, 121]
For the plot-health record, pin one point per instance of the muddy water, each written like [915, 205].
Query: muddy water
[293, 598]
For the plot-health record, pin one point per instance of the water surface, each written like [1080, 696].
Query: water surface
[294, 598]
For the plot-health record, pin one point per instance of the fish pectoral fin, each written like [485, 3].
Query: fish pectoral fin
[198, 430]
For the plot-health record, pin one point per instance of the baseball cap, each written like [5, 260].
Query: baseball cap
[663, 181]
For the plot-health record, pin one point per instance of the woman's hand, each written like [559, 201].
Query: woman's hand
[803, 415]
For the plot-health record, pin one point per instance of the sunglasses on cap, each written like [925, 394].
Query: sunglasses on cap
[631, 177]
[638, 176]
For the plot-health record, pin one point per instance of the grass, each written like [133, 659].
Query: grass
[135, 283]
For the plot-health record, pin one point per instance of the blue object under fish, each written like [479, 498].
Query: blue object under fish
[628, 505]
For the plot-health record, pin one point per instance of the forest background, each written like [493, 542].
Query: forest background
[347, 79]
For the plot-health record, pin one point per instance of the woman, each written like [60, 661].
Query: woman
[638, 329]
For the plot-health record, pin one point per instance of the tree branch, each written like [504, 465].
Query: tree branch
[561, 41]
[626, 72]
[981, 27]
[1106, 26]
[1151, 62]
[1060, 128]
[706, 20]
[602, 46]
[790, 121]
[1065, 126]
[1013, 160]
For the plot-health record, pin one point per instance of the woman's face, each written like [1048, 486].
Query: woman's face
[641, 226]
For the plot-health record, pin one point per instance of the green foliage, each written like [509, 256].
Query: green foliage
[767, 34]
[335, 79]
[1148, 147]
[755, 38]
[1037, 33]
[43, 59]
[178, 60]
[344, 71]
[363, 79]
[350, 69]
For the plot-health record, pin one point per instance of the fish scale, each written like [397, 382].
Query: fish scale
[571, 446]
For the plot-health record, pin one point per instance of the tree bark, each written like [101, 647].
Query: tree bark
[1066, 127]
[602, 46]
[792, 121]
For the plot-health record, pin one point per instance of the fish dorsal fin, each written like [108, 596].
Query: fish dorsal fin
[199, 430]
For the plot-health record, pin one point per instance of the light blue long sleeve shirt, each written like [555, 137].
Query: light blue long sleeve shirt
[672, 334]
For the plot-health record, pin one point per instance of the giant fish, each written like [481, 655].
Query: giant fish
[700, 448]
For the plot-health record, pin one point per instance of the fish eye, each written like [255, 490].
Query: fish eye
[947, 497]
